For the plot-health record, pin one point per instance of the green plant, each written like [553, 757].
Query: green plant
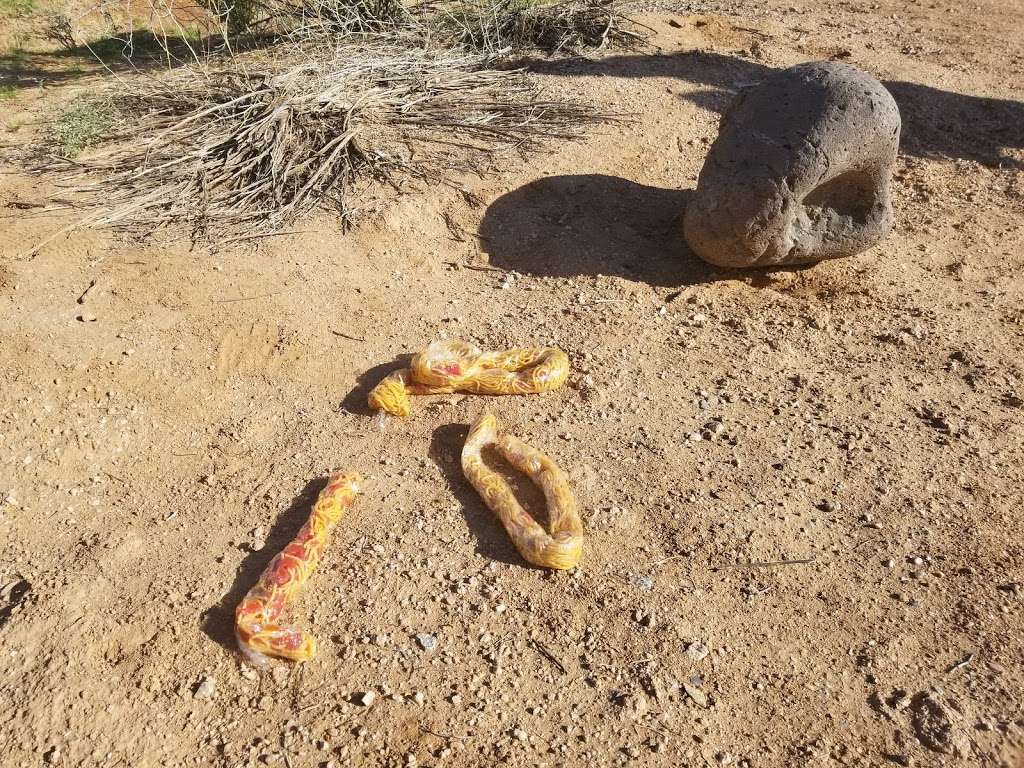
[81, 125]
[7, 92]
[59, 28]
[16, 7]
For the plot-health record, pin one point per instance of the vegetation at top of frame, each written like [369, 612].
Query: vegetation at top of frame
[16, 7]
[346, 95]
[289, 16]
[486, 26]
[513, 26]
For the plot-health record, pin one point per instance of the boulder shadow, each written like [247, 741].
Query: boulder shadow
[492, 541]
[563, 226]
[936, 123]
[218, 621]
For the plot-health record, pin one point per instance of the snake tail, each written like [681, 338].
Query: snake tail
[562, 547]
[258, 619]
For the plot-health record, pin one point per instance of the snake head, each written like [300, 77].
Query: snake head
[275, 641]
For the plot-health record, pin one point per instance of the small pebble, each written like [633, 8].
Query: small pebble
[642, 582]
[206, 689]
[696, 650]
[366, 699]
[699, 697]
[427, 641]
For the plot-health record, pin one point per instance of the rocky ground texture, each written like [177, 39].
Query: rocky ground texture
[801, 488]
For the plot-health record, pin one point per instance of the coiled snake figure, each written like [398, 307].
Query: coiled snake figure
[256, 619]
[563, 546]
[457, 366]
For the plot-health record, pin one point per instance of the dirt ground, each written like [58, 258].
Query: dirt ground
[801, 488]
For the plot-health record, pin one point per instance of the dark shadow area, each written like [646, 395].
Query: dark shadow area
[32, 70]
[493, 542]
[355, 400]
[11, 598]
[939, 123]
[218, 621]
[593, 224]
[140, 50]
[936, 123]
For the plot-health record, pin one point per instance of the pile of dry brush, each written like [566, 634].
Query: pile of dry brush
[371, 92]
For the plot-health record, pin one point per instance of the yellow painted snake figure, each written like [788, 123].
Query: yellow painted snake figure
[257, 626]
[457, 366]
[563, 546]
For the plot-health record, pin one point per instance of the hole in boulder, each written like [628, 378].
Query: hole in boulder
[849, 194]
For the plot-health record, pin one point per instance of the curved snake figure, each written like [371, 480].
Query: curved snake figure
[563, 546]
[457, 366]
[256, 619]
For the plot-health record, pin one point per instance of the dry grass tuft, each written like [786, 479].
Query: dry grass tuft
[253, 147]
[502, 27]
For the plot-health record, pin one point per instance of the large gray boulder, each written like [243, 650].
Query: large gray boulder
[801, 170]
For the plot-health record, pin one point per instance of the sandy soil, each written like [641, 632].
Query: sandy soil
[163, 432]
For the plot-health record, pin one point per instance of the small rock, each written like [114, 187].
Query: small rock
[427, 641]
[86, 317]
[52, 755]
[644, 619]
[937, 725]
[634, 707]
[366, 699]
[696, 650]
[642, 582]
[699, 697]
[248, 672]
[712, 429]
[206, 689]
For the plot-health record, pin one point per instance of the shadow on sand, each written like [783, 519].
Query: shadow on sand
[218, 621]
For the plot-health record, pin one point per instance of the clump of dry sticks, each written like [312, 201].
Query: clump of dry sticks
[336, 18]
[257, 149]
[250, 142]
